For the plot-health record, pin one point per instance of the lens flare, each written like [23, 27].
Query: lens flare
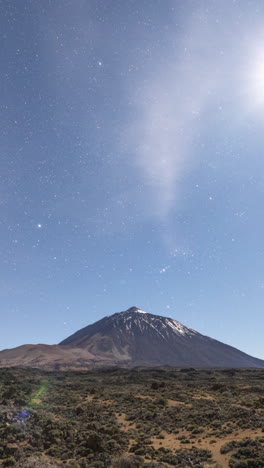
[23, 415]
[35, 401]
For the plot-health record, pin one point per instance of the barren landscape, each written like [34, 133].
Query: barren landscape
[131, 234]
[121, 418]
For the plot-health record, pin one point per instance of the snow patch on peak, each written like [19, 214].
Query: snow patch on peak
[162, 325]
[133, 310]
[178, 328]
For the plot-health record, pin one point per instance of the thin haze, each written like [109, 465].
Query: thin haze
[131, 166]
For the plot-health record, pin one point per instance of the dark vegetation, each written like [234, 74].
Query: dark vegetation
[119, 418]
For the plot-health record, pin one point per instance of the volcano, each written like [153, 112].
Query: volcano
[131, 338]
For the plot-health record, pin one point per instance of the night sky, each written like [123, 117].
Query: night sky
[131, 167]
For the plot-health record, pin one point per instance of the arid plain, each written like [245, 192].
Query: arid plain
[160, 417]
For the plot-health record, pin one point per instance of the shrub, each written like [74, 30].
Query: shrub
[10, 461]
[129, 462]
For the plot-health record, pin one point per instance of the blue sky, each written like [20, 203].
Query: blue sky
[131, 168]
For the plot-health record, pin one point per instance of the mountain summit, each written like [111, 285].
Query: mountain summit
[131, 338]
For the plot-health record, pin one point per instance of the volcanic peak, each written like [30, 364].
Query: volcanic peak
[133, 310]
[161, 325]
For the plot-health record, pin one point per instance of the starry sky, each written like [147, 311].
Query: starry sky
[131, 167]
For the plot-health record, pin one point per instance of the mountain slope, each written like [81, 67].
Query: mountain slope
[131, 338]
[47, 357]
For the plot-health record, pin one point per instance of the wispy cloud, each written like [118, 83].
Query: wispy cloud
[170, 107]
[175, 100]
